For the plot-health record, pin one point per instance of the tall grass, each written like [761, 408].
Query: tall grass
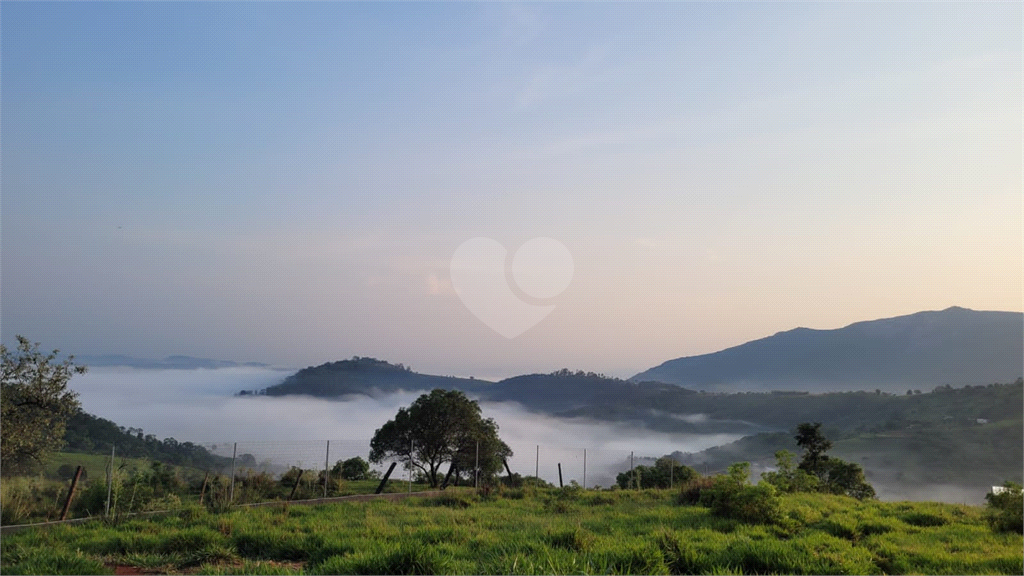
[608, 532]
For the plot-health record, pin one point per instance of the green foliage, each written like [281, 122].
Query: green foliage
[637, 532]
[91, 434]
[352, 469]
[833, 475]
[665, 473]
[731, 496]
[810, 438]
[788, 478]
[690, 492]
[1006, 509]
[442, 426]
[35, 405]
[30, 499]
[843, 477]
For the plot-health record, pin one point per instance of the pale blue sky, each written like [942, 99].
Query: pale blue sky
[287, 182]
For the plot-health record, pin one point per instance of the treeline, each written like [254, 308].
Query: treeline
[860, 411]
[95, 435]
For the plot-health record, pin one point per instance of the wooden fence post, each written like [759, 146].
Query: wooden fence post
[296, 487]
[384, 480]
[71, 494]
[202, 491]
[560, 485]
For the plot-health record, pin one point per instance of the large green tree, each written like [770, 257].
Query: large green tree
[810, 437]
[832, 474]
[35, 404]
[439, 427]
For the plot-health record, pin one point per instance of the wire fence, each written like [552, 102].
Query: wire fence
[558, 465]
[255, 472]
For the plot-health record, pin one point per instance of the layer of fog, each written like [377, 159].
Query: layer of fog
[199, 406]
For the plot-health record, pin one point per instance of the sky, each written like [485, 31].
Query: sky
[290, 182]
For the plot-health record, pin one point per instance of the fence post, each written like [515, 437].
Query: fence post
[202, 491]
[110, 481]
[536, 469]
[671, 473]
[71, 494]
[476, 471]
[560, 485]
[411, 448]
[584, 468]
[327, 471]
[296, 487]
[384, 480]
[231, 490]
[631, 473]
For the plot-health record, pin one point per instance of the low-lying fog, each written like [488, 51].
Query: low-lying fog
[199, 406]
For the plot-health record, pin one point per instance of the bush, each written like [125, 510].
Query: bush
[788, 478]
[730, 496]
[1006, 509]
[665, 473]
[352, 469]
[690, 492]
[67, 472]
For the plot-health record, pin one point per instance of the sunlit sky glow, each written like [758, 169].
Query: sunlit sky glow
[287, 182]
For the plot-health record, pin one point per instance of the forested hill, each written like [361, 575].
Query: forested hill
[367, 376]
[94, 435]
[955, 346]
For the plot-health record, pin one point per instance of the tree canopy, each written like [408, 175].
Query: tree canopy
[832, 474]
[439, 427]
[35, 404]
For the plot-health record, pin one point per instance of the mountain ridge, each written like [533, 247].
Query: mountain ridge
[956, 346]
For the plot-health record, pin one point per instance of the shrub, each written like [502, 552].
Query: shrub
[1006, 509]
[690, 492]
[67, 472]
[665, 473]
[352, 469]
[788, 478]
[730, 496]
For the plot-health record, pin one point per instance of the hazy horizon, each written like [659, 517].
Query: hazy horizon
[290, 183]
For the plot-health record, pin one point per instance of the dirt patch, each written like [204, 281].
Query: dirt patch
[236, 567]
[125, 570]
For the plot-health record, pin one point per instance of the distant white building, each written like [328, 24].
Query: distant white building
[982, 420]
[999, 489]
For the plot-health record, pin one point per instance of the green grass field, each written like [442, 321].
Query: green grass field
[530, 532]
[95, 465]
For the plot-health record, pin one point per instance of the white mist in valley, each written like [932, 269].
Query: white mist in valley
[200, 406]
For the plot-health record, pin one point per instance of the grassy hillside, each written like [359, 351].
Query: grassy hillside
[541, 532]
[944, 461]
[95, 465]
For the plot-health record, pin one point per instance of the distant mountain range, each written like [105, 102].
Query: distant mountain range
[954, 346]
[170, 362]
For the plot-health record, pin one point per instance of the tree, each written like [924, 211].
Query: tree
[789, 478]
[352, 469]
[665, 473]
[1005, 508]
[439, 427]
[834, 476]
[814, 443]
[35, 404]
